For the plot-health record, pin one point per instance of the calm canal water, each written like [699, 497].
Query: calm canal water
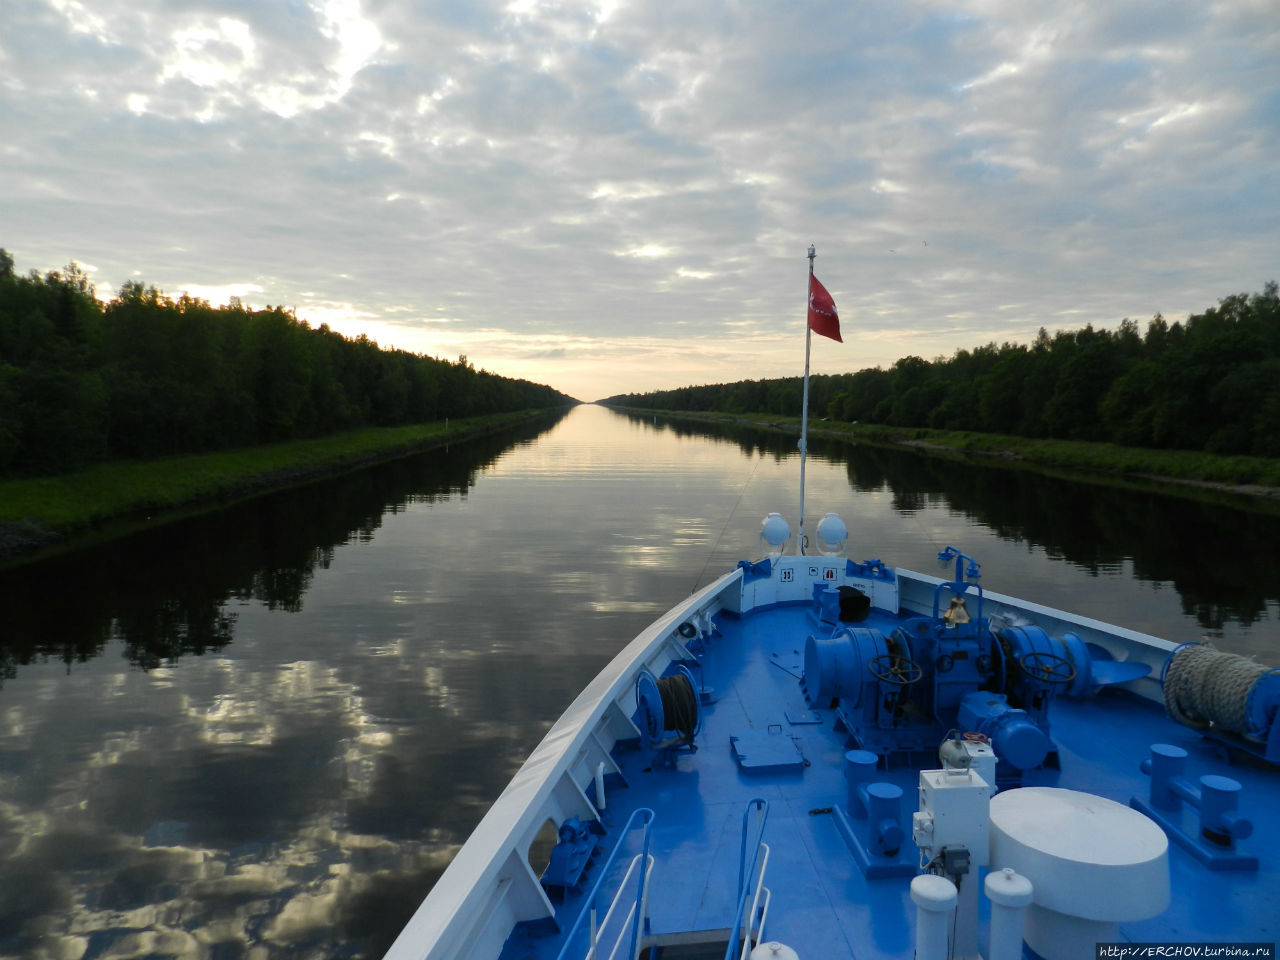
[263, 733]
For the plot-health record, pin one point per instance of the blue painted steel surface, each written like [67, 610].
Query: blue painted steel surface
[570, 855]
[859, 716]
[824, 903]
[772, 750]
[1017, 738]
[751, 867]
[625, 883]
[1211, 836]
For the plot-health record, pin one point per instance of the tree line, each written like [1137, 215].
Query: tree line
[1211, 383]
[145, 376]
[1230, 578]
[131, 597]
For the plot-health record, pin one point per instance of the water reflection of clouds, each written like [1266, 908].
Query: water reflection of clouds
[300, 894]
[435, 685]
[166, 888]
[115, 748]
[625, 606]
[242, 800]
[15, 723]
[656, 557]
[294, 789]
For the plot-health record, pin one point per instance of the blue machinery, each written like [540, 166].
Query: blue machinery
[950, 675]
[571, 855]
[986, 696]
[631, 894]
[902, 693]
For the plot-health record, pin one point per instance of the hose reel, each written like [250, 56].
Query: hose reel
[669, 712]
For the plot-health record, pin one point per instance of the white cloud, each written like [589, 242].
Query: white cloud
[623, 172]
[83, 20]
[647, 251]
[221, 294]
[211, 56]
[689, 274]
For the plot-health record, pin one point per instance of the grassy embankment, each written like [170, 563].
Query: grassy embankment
[42, 511]
[1257, 476]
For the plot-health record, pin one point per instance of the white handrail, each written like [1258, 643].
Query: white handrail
[645, 815]
[764, 913]
[644, 903]
[625, 923]
[613, 904]
[755, 867]
[748, 944]
[598, 933]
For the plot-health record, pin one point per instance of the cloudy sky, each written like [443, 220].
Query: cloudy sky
[610, 196]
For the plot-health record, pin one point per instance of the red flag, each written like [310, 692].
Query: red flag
[822, 311]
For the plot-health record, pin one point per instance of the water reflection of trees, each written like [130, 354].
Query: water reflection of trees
[1217, 557]
[750, 438]
[163, 593]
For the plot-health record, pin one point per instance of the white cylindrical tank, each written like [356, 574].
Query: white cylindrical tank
[1010, 895]
[935, 900]
[773, 950]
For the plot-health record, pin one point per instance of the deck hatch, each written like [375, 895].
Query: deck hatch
[757, 750]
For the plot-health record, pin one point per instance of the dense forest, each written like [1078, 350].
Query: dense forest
[1210, 383]
[147, 376]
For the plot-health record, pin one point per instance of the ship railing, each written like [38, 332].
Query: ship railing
[752, 906]
[629, 921]
[632, 891]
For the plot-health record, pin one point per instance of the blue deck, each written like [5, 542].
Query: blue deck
[822, 906]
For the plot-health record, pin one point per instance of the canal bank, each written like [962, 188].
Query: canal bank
[43, 515]
[264, 731]
[1255, 480]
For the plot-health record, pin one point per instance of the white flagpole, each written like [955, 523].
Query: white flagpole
[804, 407]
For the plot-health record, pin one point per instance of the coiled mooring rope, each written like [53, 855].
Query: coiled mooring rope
[679, 705]
[1204, 686]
